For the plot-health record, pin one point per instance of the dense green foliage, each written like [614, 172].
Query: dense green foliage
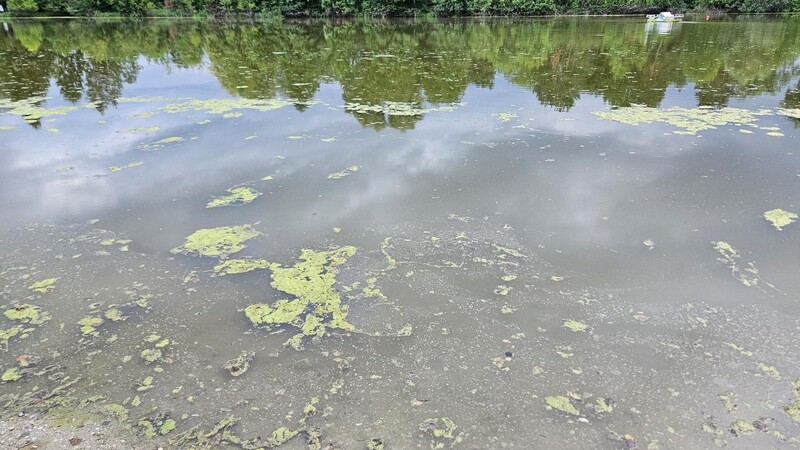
[386, 7]
[420, 62]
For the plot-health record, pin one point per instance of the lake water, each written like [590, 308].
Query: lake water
[514, 233]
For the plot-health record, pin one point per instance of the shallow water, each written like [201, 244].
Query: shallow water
[557, 226]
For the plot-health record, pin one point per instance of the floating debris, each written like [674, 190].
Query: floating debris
[239, 365]
[780, 218]
[238, 196]
[219, 242]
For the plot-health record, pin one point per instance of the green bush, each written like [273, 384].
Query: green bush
[22, 6]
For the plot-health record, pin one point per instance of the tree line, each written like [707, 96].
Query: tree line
[306, 8]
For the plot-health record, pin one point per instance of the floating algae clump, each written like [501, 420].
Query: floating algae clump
[793, 410]
[237, 196]
[89, 324]
[375, 444]
[742, 427]
[575, 325]
[234, 266]
[690, 121]
[443, 430]
[6, 335]
[561, 403]
[44, 286]
[279, 437]
[769, 371]
[151, 355]
[349, 171]
[317, 305]
[780, 218]
[159, 425]
[396, 108]
[217, 242]
[747, 276]
[225, 105]
[11, 374]
[30, 110]
[26, 314]
[239, 365]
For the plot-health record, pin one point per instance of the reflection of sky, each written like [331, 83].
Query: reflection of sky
[567, 181]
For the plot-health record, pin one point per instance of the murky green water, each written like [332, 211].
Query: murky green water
[527, 234]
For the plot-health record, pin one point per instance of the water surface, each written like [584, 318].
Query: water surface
[542, 233]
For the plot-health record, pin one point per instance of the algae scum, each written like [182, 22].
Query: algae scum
[401, 234]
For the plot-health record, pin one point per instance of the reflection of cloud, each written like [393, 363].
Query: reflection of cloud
[406, 176]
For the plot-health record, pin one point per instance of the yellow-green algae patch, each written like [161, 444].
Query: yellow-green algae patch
[27, 314]
[729, 255]
[396, 108]
[317, 304]
[689, 121]
[219, 242]
[161, 143]
[225, 105]
[6, 335]
[505, 117]
[44, 286]
[770, 371]
[11, 374]
[443, 430]
[562, 404]
[239, 365]
[575, 325]
[30, 109]
[346, 172]
[144, 130]
[789, 112]
[159, 425]
[742, 428]
[780, 218]
[88, 325]
[244, 265]
[237, 196]
[793, 410]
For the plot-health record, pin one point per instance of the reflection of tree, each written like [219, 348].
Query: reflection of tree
[792, 101]
[415, 63]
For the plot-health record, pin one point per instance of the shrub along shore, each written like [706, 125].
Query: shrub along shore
[400, 8]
